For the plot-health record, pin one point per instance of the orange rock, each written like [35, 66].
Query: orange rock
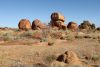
[37, 24]
[58, 24]
[57, 20]
[24, 24]
[72, 26]
[69, 57]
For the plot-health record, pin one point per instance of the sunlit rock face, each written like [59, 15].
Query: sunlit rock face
[72, 26]
[24, 24]
[37, 24]
[57, 20]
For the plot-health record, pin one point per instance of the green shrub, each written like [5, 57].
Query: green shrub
[43, 40]
[50, 58]
[8, 36]
[39, 65]
[70, 37]
[76, 65]
[95, 58]
[27, 33]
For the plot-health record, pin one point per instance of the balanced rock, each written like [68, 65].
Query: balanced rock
[57, 20]
[57, 16]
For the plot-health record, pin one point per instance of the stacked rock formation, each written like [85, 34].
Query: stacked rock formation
[72, 26]
[37, 25]
[57, 20]
[24, 24]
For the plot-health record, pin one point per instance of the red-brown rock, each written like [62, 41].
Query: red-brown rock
[37, 24]
[72, 26]
[69, 57]
[24, 24]
[59, 24]
[57, 20]
[57, 16]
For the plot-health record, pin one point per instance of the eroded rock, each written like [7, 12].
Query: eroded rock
[24, 24]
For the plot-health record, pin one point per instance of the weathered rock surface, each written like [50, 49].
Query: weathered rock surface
[37, 24]
[24, 24]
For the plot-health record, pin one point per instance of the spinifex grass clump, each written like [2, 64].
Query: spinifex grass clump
[7, 36]
[27, 33]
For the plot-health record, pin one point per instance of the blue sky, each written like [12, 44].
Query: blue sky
[11, 11]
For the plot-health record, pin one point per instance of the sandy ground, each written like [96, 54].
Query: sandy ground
[15, 53]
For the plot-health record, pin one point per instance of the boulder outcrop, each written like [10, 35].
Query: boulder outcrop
[24, 24]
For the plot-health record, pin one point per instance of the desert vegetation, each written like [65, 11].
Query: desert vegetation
[54, 45]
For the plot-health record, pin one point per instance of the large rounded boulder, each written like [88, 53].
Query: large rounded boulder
[24, 24]
[72, 26]
[57, 16]
[37, 25]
